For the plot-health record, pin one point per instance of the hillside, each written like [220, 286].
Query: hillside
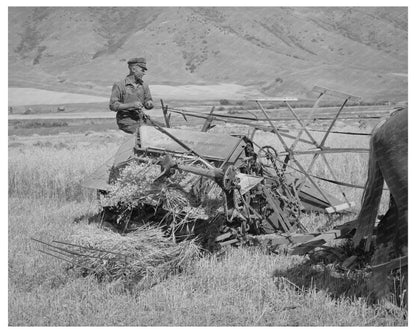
[275, 50]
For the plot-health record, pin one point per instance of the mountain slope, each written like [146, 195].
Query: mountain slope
[279, 50]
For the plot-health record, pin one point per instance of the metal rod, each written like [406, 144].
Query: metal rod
[304, 129]
[73, 252]
[178, 141]
[287, 149]
[316, 104]
[87, 248]
[235, 121]
[334, 93]
[276, 209]
[393, 264]
[211, 173]
[57, 257]
[274, 128]
[61, 252]
[335, 178]
[70, 261]
[324, 138]
[208, 121]
[252, 134]
[306, 173]
[322, 116]
[324, 179]
[332, 123]
[275, 99]
[314, 158]
[294, 144]
[296, 140]
[232, 116]
[256, 126]
[341, 132]
[288, 136]
[165, 113]
[326, 151]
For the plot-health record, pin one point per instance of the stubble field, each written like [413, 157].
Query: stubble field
[243, 287]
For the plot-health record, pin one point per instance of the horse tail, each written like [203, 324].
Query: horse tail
[370, 200]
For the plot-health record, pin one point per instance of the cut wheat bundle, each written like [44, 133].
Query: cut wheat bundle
[180, 199]
[139, 258]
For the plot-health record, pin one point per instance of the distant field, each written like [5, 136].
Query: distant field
[40, 127]
[30, 96]
[83, 117]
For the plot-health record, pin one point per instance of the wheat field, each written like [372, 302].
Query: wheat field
[242, 287]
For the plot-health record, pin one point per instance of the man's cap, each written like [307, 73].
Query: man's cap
[140, 61]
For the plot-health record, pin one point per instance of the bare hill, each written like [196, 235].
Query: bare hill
[277, 50]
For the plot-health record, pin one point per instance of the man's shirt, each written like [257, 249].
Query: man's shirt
[128, 91]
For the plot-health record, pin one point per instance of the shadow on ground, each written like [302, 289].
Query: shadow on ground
[324, 271]
[337, 283]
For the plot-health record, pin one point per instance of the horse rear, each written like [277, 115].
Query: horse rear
[388, 162]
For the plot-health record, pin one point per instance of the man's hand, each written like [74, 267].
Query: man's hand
[136, 105]
[133, 106]
[148, 105]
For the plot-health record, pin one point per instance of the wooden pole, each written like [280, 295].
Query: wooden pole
[208, 121]
[165, 114]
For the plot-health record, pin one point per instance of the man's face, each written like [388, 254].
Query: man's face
[138, 72]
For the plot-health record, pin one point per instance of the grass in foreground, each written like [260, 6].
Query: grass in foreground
[244, 287]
